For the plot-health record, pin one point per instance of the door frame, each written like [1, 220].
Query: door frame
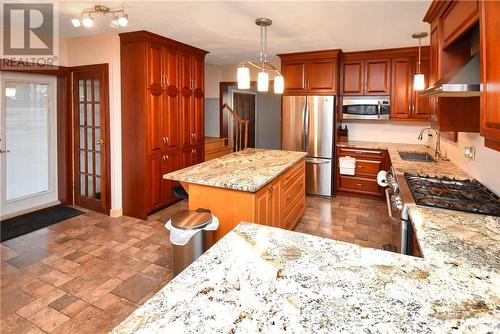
[255, 112]
[51, 194]
[104, 69]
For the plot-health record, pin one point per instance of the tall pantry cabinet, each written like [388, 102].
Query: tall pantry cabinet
[162, 88]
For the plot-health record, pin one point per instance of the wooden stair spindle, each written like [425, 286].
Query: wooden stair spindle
[237, 129]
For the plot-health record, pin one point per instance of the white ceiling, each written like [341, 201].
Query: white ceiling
[227, 30]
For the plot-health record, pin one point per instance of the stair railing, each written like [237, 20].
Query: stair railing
[237, 129]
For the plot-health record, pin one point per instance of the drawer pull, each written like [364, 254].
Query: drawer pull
[359, 184]
[361, 151]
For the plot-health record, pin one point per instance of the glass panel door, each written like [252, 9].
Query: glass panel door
[89, 141]
[28, 143]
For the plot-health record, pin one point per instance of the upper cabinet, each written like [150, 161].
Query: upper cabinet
[453, 36]
[310, 72]
[490, 73]
[366, 77]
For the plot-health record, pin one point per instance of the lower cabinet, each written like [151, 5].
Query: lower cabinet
[368, 163]
[192, 155]
[281, 203]
[159, 189]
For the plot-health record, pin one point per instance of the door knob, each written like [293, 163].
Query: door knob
[99, 141]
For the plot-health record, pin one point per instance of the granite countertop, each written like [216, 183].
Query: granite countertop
[440, 167]
[247, 170]
[269, 280]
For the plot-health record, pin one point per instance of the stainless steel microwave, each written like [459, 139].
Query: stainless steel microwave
[366, 107]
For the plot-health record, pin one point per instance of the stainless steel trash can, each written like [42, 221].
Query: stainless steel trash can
[199, 242]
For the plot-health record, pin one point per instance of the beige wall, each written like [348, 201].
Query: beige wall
[388, 132]
[484, 167]
[98, 49]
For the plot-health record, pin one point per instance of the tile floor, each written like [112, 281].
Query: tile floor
[86, 274]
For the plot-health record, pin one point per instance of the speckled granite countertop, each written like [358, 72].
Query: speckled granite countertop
[260, 279]
[247, 170]
[440, 167]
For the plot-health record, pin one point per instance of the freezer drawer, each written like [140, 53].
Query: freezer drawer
[319, 176]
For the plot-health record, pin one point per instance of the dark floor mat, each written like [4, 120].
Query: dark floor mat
[17, 226]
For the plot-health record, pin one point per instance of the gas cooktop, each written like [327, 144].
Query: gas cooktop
[461, 195]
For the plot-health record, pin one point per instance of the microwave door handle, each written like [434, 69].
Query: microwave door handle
[378, 108]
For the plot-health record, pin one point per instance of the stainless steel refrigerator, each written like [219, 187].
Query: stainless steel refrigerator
[308, 125]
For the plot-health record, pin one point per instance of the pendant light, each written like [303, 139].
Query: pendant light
[419, 79]
[264, 67]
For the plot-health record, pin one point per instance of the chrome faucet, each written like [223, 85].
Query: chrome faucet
[438, 139]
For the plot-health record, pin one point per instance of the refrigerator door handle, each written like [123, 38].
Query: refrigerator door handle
[317, 161]
[304, 115]
[306, 127]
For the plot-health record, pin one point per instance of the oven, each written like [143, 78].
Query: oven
[366, 107]
[398, 214]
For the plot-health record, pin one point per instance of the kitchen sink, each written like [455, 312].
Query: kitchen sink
[416, 156]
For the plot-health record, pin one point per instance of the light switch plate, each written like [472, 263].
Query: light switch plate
[470, 152]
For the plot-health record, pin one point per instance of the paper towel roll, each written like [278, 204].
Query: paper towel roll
[382, 178]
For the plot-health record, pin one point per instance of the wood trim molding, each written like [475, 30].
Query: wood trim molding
[143, 35]
[435, 9]
[386, 53]
[330, 53]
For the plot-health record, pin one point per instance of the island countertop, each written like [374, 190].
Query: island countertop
[247, 170]
[268, 280]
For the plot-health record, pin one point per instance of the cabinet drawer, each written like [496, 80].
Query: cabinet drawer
[361, 152]
[368, 166]
[293, 173]
[294, 213]
[359, 184]
[292, 191]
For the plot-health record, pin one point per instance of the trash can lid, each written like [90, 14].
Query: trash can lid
[191, 220]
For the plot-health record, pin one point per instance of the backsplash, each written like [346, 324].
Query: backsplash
[387, 132]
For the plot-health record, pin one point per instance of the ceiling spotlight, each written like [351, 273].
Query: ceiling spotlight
[120, 18]
[76, 22]
[88, 22]
[114, 23]
[123, 20]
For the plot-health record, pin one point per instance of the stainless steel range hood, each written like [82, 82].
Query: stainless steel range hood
[463, 82]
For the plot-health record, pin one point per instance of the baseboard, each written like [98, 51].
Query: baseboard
[116, 212]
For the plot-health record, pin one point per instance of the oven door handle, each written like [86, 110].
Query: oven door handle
[389, 207]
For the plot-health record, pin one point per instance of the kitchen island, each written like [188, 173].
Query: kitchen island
[259, 279]
[256, 185]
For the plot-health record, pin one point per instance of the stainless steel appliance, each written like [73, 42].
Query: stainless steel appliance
[308, 125]
[366, 107]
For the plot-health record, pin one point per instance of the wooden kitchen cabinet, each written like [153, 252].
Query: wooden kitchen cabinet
[268, 205]
[490, 74]
[162, 116]
[366, 77]
[406, 103]
[312, 72]
[368, 163]
[451, 39]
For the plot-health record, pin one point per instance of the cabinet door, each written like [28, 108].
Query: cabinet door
[490, 74]
[321, 76]
[263, 207]
[402, 69]
[155, 182]
[155, 112]
[171, 68]
[198, 118]
[171, 122]
[377, 77]
[275, 207]
[421, 104]
[294, 73]
[170, 164]
[154, 66]
[352, 77]
[435, 56]
[186, 103]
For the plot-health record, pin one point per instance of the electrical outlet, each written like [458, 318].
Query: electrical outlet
[470, 152]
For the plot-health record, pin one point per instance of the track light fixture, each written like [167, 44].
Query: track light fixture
[120, 18]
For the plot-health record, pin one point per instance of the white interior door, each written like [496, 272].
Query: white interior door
[28, 145]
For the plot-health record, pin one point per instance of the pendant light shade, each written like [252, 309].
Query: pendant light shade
[243, 76]
[419, 82]
[263, 82]
[419, 79]
[279, 84]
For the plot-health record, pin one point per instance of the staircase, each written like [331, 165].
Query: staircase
[237, 137]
